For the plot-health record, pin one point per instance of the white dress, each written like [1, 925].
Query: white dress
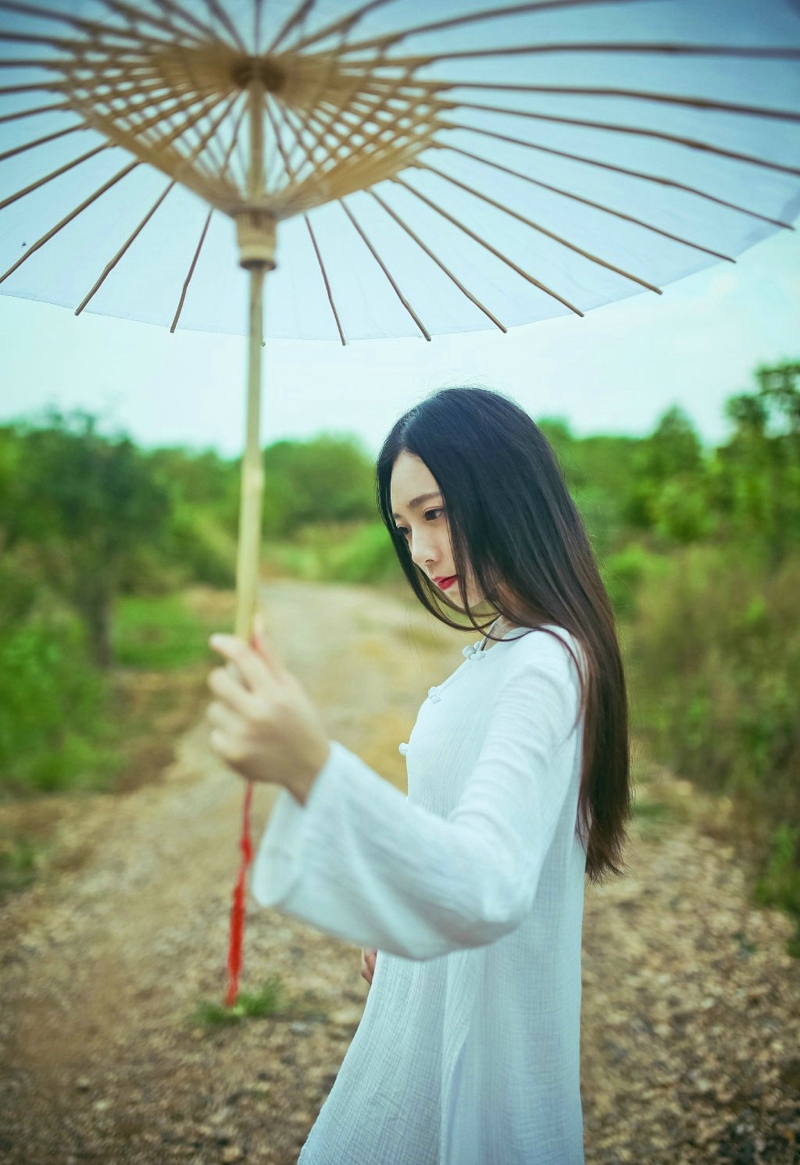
[471, 890]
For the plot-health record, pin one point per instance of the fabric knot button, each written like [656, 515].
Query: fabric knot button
[473, 651]
[433, 695]
[403, 748]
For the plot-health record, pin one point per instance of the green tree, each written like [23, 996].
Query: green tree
[668, 494]
[84, 504]
[202, 480]
[199, 543]
[327, 479]
[598, 471]
[756, 475]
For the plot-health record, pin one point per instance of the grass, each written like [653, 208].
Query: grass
[268, 1001]
[18, 861]
[163, 692]
[779, 884]
[271, 999]
[158, 633]
[652, 816]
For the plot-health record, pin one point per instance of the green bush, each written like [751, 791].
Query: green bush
[623, 573]
[779, 883]
[54, 725]
[203, 548]
[354, 552]
[327, 479]
[367, 556]
[714, 658]
[157, 633]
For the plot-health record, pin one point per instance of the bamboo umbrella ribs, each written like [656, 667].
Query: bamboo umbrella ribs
[490, 166]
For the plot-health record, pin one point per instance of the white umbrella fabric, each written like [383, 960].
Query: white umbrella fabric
[412, 168]
[540, 159]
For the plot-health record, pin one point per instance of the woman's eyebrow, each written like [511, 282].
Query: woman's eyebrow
[419, 500]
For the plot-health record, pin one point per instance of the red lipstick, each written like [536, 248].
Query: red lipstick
[445, 582]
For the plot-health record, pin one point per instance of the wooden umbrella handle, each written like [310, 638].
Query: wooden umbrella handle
[247, 576]
[247, 565]
[256, 237]
[252, 471]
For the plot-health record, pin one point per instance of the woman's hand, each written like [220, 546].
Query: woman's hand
[368, 965]
[264, 726]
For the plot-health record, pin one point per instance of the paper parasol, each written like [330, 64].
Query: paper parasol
[425, 168]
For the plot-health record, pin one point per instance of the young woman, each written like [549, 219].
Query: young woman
[471, 888]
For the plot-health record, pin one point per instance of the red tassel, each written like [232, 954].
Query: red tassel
[238, 906]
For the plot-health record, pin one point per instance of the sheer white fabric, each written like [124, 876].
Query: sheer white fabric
[471, 889]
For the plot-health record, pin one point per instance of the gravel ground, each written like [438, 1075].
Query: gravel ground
[691, 1006]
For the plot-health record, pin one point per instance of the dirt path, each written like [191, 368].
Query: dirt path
[691, 1011]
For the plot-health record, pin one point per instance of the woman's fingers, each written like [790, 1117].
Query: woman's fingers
[368, 965]
[253, 666]
[235, 696]
[223, 718]
[264, 647]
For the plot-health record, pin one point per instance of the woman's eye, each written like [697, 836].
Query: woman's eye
[431, 515]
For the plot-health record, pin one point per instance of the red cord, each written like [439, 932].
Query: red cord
[236, 940]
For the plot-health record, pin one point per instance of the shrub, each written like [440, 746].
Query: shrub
[623, 573]
[714, 657]
[54, 729]
[158, 633]
[355, 552]
[367, 556]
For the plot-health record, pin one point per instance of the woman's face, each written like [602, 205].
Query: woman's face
[418, 511]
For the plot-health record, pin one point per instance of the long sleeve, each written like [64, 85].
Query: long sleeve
[363, 863]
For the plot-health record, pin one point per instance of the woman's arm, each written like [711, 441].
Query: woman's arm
[361, 862]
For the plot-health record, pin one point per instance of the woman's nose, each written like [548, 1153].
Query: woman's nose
[423, 552]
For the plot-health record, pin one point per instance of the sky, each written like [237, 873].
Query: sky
[615, 371]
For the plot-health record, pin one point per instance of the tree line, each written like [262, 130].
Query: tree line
[93, 516]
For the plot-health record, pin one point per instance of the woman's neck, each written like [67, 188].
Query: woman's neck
[498, 629]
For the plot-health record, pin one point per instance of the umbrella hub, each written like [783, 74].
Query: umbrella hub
[213, 67]
[265, 69]
[311, 124]
[255, 234]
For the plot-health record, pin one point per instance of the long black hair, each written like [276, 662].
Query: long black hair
[513, 523]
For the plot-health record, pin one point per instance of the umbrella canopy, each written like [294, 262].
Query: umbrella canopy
[430, 168]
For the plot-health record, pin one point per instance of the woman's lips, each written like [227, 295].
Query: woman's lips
[444, 583]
